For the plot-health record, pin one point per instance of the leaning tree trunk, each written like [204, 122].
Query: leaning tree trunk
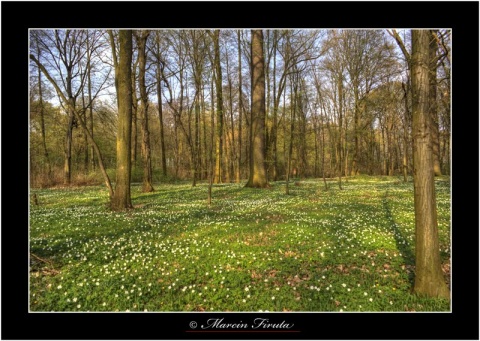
[429, 279]
[121, 199]
[258, 172]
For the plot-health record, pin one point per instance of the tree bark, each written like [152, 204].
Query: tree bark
[42, 118]
[90, 109]
[160, 113]
[121, 199]
[219, 127]
[258, 173]
[134, 141]
[433, 103]
[429, 278]
[146, 150]
[240, 109]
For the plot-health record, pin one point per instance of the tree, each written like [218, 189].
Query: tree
[219, 128]
[42, 112]
[240, 108]
[428, 272]
[123, 81]
[66, 50]
[433, 58]
[258, 172]
[160, 65]
[141, 38]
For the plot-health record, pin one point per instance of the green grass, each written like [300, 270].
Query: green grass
[252, 250]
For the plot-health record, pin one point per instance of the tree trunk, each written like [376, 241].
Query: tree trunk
[355, 135]
[146, 150]
[240, 109]
[67, 166]
[134, 141]
[258, 172]
[406, 90]
[429, 278]
[42, 121]
[121, 199]
[433, 103]
[219, 128]
[160, 119]
[233, 154]
[293, 109]
[85, 139]
[275, 110]
[90, 109]
[340, 116]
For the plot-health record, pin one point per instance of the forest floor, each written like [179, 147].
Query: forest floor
[251, 250]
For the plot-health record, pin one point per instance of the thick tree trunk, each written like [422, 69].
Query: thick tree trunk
[121, 199]
[146, 150]
[429, 278]
[258, 172]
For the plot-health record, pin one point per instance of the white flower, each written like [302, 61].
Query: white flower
[59, 287]
[246, 289]
[370, 299]
[273, 297]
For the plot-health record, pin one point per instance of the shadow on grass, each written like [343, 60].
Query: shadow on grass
[400, 240]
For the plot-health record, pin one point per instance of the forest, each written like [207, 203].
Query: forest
[337, 103]
[164, 137]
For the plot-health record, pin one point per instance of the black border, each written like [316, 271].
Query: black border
[18, 17]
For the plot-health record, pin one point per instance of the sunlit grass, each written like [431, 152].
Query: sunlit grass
[252, 250]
